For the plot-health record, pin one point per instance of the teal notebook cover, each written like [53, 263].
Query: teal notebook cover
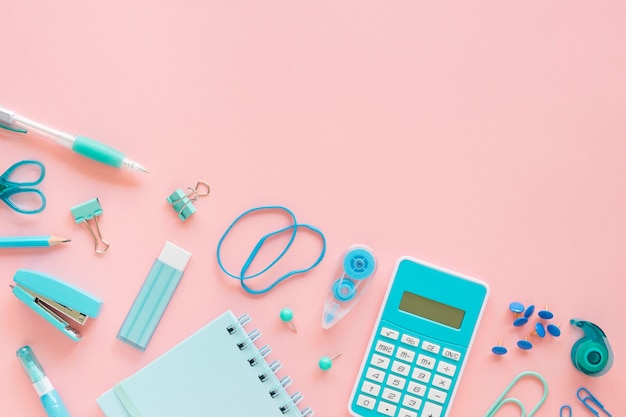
[206, 374]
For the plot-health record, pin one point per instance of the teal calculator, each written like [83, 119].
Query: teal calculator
[420, 343]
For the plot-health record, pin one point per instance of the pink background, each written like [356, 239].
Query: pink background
[487, 137]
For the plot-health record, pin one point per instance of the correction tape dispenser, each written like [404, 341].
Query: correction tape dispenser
[348, 284]
[592, 355]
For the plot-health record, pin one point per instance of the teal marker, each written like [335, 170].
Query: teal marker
[82, 145]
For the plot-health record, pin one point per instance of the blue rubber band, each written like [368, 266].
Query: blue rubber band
[242, 277]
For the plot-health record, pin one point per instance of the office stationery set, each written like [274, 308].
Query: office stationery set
[411, 367]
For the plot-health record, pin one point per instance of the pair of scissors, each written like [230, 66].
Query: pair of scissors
[21, 196]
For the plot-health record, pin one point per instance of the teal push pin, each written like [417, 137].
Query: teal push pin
[326, 362]
[286, 315]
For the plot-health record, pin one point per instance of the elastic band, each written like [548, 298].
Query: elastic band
[242, 277]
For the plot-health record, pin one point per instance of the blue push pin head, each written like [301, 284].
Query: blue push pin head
[529, 311]
[326, 362]
[524, 344]
[517, 308]
[499, 350]
[520, 321]
[554, 330]
[286, 315]
[540, 330]
[545, 314]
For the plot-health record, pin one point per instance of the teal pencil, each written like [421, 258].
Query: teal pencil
[30, 241]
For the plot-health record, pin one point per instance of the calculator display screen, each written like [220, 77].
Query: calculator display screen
[431, 310]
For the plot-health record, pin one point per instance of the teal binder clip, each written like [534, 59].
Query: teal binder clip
[87, 211]
[55, 300]
[182, 202]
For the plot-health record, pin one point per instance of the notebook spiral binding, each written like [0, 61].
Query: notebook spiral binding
[283, 383]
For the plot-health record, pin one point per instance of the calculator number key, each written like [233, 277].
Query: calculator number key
[417, 389]
[375, 374]
[396, 382]
[380, 361]
[400, 368]
[391, 395]
[370, 388]
[366, 402]
[421, 375]
[411, 402]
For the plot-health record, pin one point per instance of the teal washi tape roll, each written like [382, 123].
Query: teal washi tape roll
[154, 296]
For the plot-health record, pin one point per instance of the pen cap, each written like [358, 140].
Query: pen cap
[31, 364]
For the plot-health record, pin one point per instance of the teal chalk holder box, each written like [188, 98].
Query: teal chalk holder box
[154, 296]
[182, 202]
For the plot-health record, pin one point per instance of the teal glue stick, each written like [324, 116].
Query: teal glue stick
[154, 296]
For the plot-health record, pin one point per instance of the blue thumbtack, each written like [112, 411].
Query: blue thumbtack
[517, 308]
[524, 344]
[545, 314]
[529, 311]
[286, 315]
[87, 211]
[520, 321]
[554, 330]
[182, 202]
[540, 330]
[499, 350]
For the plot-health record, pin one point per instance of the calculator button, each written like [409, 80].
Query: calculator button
[366, 402]
[446, 368]
[421, 375]
[436, 395]
[370, 388]
[441, 382]
[383, 347]
[451, 354]
[380, 361]
[375, 374]
[417, 389]
[400, 368]
[406, 413]
[396, 382]
[391, 395]
[388, 333]
[431, 347]
[386, 408]
[405, 355]
[431, 410]
[410, 340]
[426, 361]
[411, 402]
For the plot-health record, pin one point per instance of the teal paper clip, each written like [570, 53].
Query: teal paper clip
[55, 300]
[182, 202]
[503, 399]
[87, 211]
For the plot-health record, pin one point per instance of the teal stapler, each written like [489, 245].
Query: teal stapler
[57, 301]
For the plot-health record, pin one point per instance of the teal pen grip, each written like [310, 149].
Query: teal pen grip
[97, 151]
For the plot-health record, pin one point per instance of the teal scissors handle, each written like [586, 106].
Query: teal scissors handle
[10, 189]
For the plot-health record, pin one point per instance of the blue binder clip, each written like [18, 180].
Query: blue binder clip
[182, 202]
[55, 300]
[87, 211]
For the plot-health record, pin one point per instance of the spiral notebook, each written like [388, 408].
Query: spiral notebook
[217, 371]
